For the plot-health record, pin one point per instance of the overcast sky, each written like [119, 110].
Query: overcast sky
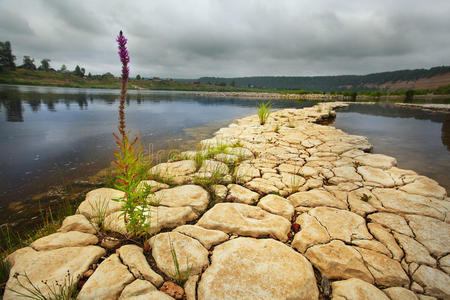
[189, 39]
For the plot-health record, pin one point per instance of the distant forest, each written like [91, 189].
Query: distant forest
[324, 83]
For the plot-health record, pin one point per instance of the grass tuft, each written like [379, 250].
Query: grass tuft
[264, 112]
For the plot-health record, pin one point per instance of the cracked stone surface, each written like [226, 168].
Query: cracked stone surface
[276, 278]
[297, 198]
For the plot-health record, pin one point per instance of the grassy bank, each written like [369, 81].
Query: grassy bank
[68, 79]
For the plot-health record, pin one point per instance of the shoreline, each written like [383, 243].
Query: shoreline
[311, 192]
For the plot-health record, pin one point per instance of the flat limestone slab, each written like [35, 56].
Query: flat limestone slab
[245, 220]
[64, 239]
[108, 280]
[51, 266]
[247, 268]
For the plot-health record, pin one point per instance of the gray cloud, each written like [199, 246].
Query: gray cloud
[192, 38]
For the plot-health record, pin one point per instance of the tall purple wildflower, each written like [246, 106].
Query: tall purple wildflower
[125, 59]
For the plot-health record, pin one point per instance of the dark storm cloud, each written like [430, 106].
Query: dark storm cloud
[232, 38]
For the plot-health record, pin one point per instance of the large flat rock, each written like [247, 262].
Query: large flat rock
[64, 239]
[356, 289]
[133, 257]
[108, 280]
[191, 255]
[246, 268]
[341, 224]
[51, 266]
[338, 261]
[314, 198]
[190, 195]
[245, 220]
[99, 203]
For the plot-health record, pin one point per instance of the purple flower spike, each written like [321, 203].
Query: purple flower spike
[125, 59]
[123, 54]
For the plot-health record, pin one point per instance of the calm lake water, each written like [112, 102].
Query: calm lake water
[48, 135]
[418, 139]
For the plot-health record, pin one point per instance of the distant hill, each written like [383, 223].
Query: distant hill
[386, 81]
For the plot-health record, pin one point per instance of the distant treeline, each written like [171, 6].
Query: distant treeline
[324, 83]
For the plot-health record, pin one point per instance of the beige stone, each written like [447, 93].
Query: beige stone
[380, 161]
[191, 255]
[386, 271]
[348, 173]
[432, 233]
[444, 263]
[151, 185]
[142, 290]
[64, 239]
[399, 293]
[316, 198]
[213, 166]
[373, 245]
[190, 287]
[262, 186]
[435, 282]
[240, 152]
[108, 280]
[51, 266]
[246, 172]
[356, 289]
[206, 237]
[246, 268]
[376, 175]
[174, 170]
[190, 195]
[392, 221]
[245, 220]
[400, 202]
[277, 205]
[425, 186]
[240, 194]
[384, 236]
[226, 158]
[341, 224]
[414, 251]
[292, 182]
[311, 233]
[358, 205]
[220, 191]
[133, 257]
[99, 202]
[77, 223]
[338, 261]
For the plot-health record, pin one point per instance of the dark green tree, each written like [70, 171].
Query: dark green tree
[45, 64]
[138, 77]
[83, 71]
[78, 71]
[233, 83]
[89, 75]
[63, 69]
[6, 57]
[28, 63]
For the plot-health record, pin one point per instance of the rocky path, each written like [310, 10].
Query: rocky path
[302, 211]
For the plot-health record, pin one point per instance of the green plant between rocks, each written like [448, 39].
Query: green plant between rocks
[179, 276]
[136, 204]
[65, 290]
[264, 112]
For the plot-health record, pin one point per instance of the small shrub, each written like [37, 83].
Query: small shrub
[290, 125]
[264, 112]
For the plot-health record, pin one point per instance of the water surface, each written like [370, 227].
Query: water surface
[49, 134]
[418, 139]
